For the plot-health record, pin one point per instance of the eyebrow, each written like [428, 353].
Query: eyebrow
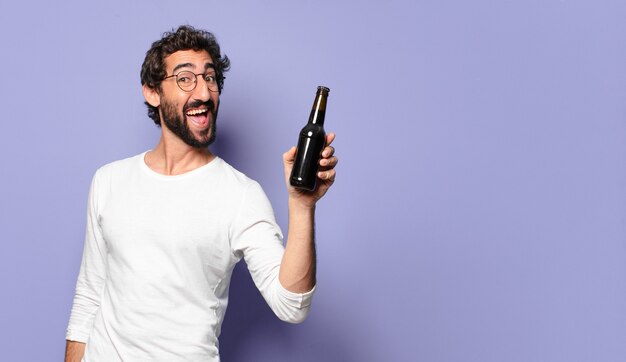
[189, 65]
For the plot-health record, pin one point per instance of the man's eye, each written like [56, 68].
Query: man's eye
[209, 78]
[184, 80]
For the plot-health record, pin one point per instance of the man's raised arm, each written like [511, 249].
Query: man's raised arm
[297, 269]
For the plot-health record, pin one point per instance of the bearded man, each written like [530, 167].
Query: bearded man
[165, 228]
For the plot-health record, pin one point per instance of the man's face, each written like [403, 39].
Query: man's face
[189, 115]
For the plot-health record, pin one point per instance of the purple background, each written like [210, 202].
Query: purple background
[479, 212]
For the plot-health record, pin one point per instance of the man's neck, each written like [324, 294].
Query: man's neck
[172, 156]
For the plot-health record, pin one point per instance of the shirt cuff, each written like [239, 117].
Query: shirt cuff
[297, 300]
[76, 336]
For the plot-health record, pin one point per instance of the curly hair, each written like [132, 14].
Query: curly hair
[184, 38]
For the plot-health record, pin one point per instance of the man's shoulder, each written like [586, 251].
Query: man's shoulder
[234, 176]
[121, 166]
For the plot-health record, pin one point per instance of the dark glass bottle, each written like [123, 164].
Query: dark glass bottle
[310, 145]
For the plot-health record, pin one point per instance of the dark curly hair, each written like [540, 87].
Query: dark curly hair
[184, 38]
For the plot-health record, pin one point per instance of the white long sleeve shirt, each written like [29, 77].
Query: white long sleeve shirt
[158, 257]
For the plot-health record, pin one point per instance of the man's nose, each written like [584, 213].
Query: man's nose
[201, 92]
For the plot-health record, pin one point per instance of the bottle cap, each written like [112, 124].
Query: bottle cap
[323, 89]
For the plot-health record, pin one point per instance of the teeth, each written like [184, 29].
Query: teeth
[196, 111]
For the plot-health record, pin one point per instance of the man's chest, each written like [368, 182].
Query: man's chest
[141, 225]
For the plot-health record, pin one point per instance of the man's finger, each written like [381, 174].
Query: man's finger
[330, 138]
[329, 162]
[327, 175]
[328, 151]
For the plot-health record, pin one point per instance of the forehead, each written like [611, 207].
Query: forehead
[194, 59]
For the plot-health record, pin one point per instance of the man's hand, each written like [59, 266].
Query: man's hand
[325, 175]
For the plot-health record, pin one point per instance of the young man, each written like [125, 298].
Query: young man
[165, 228]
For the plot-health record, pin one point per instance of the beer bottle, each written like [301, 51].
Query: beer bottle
[310, 145]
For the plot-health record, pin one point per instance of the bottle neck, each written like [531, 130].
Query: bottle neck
[318, 112]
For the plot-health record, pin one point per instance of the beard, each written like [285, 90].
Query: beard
[176, 123]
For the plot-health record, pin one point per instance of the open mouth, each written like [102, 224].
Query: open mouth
[198, 116]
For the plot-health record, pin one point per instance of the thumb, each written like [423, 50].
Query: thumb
[289, 156]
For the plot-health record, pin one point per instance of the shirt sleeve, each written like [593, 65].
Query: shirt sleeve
[257, 237]
[92, 275]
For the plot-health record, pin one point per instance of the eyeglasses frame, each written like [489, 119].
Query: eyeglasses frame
[195, 81]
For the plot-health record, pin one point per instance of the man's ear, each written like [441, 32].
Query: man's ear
[151, 95]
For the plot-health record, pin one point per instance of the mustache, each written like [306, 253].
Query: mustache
[196, 104]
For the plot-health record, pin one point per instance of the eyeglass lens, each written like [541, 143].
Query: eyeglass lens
[187, 81]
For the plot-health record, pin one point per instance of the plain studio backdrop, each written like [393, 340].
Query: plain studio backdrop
[479, 212]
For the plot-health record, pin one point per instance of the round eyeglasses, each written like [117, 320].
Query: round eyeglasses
[187, 81]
